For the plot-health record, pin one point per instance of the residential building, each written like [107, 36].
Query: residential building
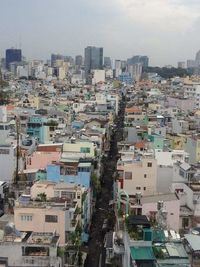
[138, 175]
[192, 147]
[57, 215]
[28, 249]
[98, 76]
[171, 206]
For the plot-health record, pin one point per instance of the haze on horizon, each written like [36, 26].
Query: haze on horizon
[165, 30]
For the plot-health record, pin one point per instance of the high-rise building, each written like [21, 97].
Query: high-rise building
[197, 59]
[93, 60]
[181, 65]
[107, 62]
[79, 60]
[190, 63]
[118, 68]
[144, 60]
[13, 55]
[55, 57]
[136, 71]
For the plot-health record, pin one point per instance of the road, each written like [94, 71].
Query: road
[103, 210]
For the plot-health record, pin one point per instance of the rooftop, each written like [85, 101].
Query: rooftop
[142, 253]
[194, 241]
[159, 197]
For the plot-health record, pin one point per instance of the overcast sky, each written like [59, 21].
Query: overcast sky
[166, 30]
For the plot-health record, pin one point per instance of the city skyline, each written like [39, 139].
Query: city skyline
[122, 27]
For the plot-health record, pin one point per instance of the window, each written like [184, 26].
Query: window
[85, 150]
[26, 218]
[138, 188]
[149, 164]
[4, 151]
[128, 175]
[145, 175]
[51, 218]
[144, 188]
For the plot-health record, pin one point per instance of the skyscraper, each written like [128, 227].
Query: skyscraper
[190, 63]
[144, 60]
[13, 55]
[93, 60]
[181, 65]
[107, 62]
[78, 60]
[197, 59]
[55, 57]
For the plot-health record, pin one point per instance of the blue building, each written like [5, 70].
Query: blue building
[78, 174]
[13, 55]
[125, 77]
[41, 128]
[77, 125]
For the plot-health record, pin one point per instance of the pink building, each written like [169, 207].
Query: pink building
[46, 217]
[40, 159]
[185, 104]
[171, 206]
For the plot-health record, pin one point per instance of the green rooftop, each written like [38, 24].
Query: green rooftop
[142, 253]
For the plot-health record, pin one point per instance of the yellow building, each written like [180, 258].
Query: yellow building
[177, 142]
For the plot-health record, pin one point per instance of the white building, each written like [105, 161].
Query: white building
[192, 90]
[98, 76]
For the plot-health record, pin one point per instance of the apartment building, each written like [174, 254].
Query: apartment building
[29, 249]
[138, 175]
[56, 216]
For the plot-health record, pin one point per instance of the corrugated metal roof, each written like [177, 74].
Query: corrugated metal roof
[194, 241]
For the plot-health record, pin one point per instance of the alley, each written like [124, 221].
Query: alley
[103, 211]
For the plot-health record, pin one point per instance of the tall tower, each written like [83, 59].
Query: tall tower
[93, 60]
[197, 59]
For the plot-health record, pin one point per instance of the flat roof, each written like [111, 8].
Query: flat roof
[65, 186]
[142, 253]
[159, 197]
[194, 241]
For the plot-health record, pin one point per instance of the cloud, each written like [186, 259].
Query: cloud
[166, 30]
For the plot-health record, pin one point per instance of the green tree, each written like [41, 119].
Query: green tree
[41, 197]
[95, 181]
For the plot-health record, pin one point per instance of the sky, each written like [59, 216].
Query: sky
[165, 30]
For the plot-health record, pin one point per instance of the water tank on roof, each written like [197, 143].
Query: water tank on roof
[10, 229]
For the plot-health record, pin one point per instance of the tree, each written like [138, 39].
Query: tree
[41, 197]
[4, 97]
[95, 181]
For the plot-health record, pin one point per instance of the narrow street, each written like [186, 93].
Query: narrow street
[103, 210]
